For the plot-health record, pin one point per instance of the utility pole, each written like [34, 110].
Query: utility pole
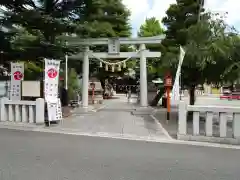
[66, 70]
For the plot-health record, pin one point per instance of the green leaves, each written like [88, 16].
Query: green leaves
[152, 27]
[209, 43]
[210, 46]
[40, 22]
[103, 18]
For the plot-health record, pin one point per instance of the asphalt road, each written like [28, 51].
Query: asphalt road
[43, 156]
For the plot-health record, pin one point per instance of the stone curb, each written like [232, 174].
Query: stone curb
[116, 136]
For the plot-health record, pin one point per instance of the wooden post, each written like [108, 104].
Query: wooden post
[93, 95]
[168, 103]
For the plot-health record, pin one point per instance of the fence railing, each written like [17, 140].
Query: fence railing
[209, 123]
[22, 111]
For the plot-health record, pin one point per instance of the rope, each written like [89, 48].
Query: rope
[117, 63]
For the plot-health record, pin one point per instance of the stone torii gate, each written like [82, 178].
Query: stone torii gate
[114, 53]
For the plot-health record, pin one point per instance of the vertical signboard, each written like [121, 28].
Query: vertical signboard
[51, 89]
[54, 110]
[51, 80]
[17, 75]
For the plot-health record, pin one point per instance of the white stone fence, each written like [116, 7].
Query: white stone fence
[22, 111]
[218, 124]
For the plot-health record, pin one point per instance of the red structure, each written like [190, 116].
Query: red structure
[168, 85]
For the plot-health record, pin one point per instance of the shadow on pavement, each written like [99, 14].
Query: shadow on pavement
[151, 125]
[170, 126]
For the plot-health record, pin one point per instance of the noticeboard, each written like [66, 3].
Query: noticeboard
[31, 88]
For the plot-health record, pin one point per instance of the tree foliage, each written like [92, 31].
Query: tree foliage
[152, 27]
[42, 19]
[207, 41]
[231, 73]
[208, 49]
[103, 18]
[38, 24]
[73, 84]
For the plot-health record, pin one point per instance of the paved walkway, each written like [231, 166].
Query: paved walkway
[115, 118]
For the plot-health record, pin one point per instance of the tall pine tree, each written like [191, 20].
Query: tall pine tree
[180, 17]
[104, 18]
[43, 19]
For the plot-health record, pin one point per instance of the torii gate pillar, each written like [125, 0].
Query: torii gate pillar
[143, 77]
[85, 78]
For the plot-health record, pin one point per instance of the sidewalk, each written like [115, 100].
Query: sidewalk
[170, 126]
[114, 118]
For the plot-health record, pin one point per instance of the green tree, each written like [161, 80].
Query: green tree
[40, 23]
[73, 84]
[231, 73]
[179, 17]
[5, 46]
[103, 18]
[208, 50]
[33, 70]
[44, 20]
[152, 27]
[205, 40]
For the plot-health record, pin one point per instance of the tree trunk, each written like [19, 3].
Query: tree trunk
[232, 87]
[192, 95]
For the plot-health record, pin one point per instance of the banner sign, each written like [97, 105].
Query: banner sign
[17, 75]
[175, 98]
[51, 80]
[51, 90]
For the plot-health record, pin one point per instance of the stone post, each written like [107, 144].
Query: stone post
[85, 78]
[143, 77]
[182, 118]
[40, 111]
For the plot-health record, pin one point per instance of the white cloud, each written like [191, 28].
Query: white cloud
[141, 9]
[136, 8]
[138, 11]
[159, 8]
[232, 7]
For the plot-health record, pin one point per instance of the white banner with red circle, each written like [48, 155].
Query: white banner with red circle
[51, 80]
[51, 89]
[17, 75]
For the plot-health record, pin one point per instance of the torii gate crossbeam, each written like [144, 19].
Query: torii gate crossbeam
[113, 53]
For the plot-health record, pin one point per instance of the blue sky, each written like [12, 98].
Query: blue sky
[142, 9]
